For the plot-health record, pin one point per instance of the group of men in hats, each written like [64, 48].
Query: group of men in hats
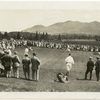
[32, 64]
[12, 64]
[90, 67]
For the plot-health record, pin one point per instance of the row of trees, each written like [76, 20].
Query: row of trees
[44, 36]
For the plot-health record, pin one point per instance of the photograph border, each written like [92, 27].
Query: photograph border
[45, 95]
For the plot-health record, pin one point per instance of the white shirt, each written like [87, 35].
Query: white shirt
[69, 59]
[10, 53]
[26, 50]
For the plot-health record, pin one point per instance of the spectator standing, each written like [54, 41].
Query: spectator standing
[35, 67]
[90, 66]
[16, 64]
[7, 62]
[26, 66]
[97, 68]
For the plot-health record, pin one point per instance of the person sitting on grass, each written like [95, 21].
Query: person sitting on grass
[62, 78]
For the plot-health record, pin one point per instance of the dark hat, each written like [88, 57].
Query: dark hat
[34, 54]
[6, 51]
[97, 57]
[69, 54]
[15, 52]
[26, 54]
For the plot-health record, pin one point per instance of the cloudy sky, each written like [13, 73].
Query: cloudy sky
[16, 16]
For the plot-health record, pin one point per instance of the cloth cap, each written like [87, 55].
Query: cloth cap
[26, 54]
[34, 54]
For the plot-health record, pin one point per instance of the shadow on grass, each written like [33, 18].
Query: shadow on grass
[82, 79]
[27, 79]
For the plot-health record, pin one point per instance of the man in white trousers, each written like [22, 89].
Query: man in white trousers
[69, 62]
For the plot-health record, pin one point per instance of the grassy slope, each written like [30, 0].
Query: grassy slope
[52, 62]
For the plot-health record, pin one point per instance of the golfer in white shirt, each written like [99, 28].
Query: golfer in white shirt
[69, 62]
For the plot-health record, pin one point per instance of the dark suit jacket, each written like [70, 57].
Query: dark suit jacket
[35, 63]
[97, 64]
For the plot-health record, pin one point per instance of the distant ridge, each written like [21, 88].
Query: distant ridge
[70, 27]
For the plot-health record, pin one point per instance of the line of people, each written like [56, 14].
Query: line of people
[12, 44]
[13, 64]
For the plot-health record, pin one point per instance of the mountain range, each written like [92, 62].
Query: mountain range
[68, 27]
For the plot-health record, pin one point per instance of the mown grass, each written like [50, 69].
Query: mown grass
[52, 62]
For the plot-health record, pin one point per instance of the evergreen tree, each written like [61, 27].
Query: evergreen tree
[46, 36]
[18, 35]
[6, 36]
[59, 37]
[36, 36]
[42, 36]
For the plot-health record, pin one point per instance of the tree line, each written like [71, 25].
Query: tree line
[45, 36]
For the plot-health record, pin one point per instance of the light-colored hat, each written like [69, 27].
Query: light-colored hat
[90, 57]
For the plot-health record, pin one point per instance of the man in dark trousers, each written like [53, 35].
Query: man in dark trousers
[97, 68]
[35, 67]
[26, 66]
[90, 66]
[16, 64]
[7, 63]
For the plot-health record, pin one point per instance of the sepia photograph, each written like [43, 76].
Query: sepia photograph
[50, 46]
